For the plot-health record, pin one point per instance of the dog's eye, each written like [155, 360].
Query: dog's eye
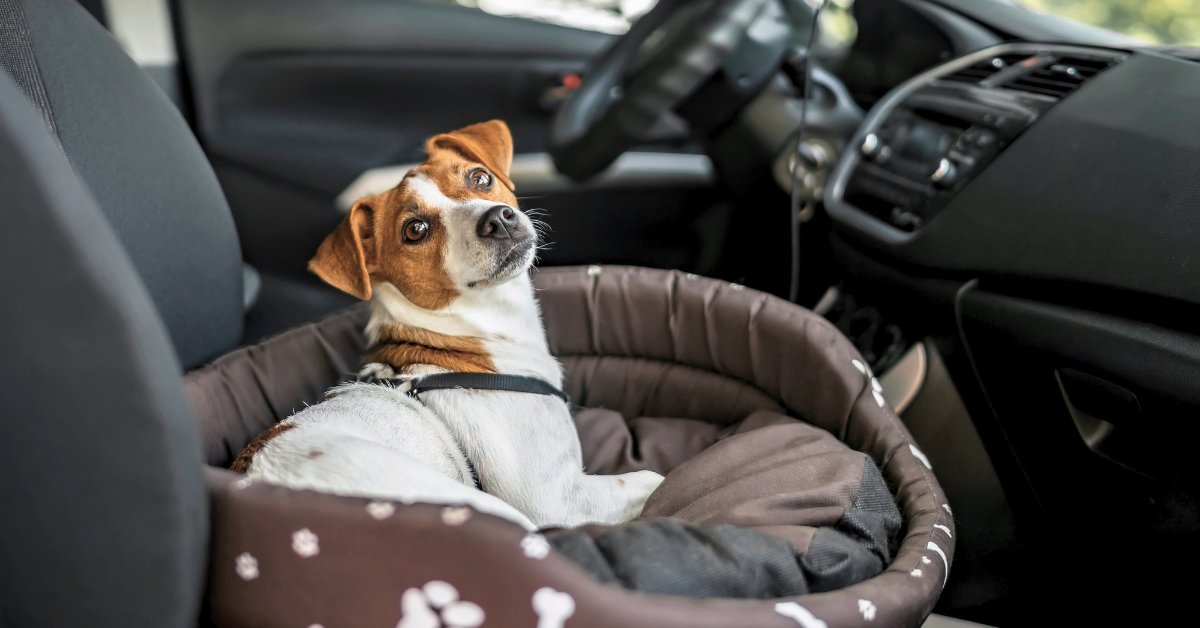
[415, 230]
[480, 178]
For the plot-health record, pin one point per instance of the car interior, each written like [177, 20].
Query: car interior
[996, 207]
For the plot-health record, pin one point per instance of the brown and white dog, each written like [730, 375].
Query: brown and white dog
[444, 258]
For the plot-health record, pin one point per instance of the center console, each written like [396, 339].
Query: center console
[930, 137]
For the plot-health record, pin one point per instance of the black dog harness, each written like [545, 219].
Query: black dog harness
[413, 386]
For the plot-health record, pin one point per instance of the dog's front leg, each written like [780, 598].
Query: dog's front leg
[612, 499]
[526, 451]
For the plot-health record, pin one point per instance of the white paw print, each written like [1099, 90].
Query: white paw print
[436, 605]
[593, 270]
[946, 507]
[553, 608]
[455, 515]
[867, 609]
[304, 543]
[247, 566]
[916, 573]
[381, 510]
[799, 614]
[925, 560]
[919, 455]
[535, 546]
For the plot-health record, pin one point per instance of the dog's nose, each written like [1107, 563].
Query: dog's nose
[499, 222]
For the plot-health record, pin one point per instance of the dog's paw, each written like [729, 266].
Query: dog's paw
[376, 370]
[639, 485]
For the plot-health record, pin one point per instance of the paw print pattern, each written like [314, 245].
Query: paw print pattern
[246, 566]
[867, 609]
[553, 608]
[876, 387]
[305, 543]
[920, 455]
[799, 614]
[535, 546]
[436, 605]
[945, 561]
[862, 368]
[381, 510]
[455, 515]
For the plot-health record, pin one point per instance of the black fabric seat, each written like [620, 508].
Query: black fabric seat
[121, 268]
[136, 155]
[105, 518]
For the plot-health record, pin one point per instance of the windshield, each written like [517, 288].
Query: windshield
[1174, 22]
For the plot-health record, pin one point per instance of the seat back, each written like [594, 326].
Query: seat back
[138, 158]
[105, 518]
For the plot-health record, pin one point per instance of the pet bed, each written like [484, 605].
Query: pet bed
[764, 519]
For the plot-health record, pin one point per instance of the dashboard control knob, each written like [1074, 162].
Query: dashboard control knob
[946, 174]
[871, 145]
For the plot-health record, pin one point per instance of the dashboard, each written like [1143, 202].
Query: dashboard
[1035, 208]
[1054, 162]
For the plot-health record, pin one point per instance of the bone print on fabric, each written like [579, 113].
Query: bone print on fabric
[437, 605]
[553, 608]
[867, 609]
[801, 615]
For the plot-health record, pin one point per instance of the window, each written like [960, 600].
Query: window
[1174, 22]
[606, 16]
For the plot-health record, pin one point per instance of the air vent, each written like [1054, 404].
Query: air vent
[1057, 77]
[985, 69]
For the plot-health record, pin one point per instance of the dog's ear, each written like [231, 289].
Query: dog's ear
[343, 260]
[489, 143]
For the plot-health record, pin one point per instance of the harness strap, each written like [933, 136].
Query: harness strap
[473, 381]
[485, 381]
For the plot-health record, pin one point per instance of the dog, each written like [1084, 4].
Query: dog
[444, 259]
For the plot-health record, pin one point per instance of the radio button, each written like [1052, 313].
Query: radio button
[871, 145]
[946, 174]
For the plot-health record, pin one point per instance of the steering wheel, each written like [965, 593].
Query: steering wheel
[700, 59]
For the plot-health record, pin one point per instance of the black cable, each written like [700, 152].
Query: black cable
[794, 166]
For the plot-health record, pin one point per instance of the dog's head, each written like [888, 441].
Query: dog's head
[451, 226]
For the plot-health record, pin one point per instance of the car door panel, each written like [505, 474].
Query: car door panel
[295, 100]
